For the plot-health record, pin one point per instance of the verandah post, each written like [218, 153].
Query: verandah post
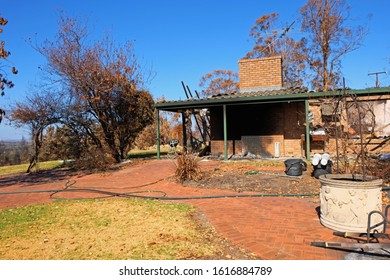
[158, 133]
[307, 134]
[225, 144]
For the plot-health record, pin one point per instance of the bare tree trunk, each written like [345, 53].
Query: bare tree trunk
[37, 147]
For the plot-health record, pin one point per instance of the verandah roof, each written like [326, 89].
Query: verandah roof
[256, 97]
[260, 97]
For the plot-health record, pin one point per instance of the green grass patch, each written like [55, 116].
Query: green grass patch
[11, 169]
[149, 153]
[20, 221]
[103, 229]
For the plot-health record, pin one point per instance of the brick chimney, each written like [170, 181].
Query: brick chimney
[259, 74]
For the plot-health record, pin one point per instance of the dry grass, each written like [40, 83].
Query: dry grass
[102, 229]
[187, 168]
[255, 163]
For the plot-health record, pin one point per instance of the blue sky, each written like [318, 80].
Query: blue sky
[179, 40]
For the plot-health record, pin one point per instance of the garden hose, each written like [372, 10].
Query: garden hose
[69, 187]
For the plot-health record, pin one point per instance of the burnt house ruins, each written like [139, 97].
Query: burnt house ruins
[268, 120]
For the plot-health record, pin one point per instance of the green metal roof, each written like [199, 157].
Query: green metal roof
[267, 96]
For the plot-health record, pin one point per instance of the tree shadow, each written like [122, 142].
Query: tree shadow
[35, 178]
[318, 210]
[146, 155]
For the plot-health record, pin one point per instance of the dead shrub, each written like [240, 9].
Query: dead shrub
[187, 168]
[147, 138]
[380, 169]
[94, 158]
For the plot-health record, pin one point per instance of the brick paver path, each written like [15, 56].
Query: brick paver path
[274, 228]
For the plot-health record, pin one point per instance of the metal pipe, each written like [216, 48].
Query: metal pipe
[197, 94]
[335, 111]
[205, 120]
[362, 153]
[196, 119]
[189, 91]
[185, 91]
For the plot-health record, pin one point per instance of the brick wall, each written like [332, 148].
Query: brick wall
[293, 148]
[263, 146]
[234, 147]
[256, 129]
[294, 120]
[374, 146]
[260, 72]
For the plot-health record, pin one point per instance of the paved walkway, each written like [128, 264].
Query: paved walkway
[273, 228]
